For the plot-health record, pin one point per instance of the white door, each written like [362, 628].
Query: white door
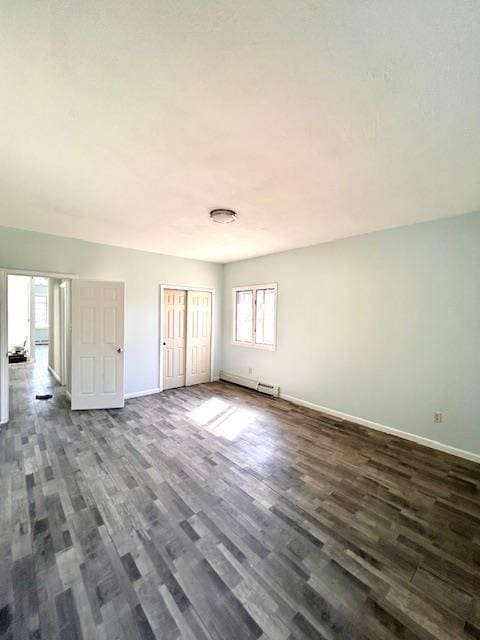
[199, 337]
[174, 308]
[97, 344]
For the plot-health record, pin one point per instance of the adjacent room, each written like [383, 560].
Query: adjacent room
[28, 340]
[240, 320]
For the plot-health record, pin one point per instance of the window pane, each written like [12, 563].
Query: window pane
[265, 318]
[244, 316]
[41, 311]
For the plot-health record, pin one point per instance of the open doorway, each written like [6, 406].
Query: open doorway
[85, 361]
[37, 339]
[28, 320]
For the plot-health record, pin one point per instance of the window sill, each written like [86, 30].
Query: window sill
[251, 345]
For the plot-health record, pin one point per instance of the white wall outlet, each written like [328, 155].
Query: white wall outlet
[437, 416]
[250, 370]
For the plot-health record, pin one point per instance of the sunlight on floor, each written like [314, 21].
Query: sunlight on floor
[208, 410]
[222, 419]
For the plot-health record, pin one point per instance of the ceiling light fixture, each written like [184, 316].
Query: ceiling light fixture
[223, 216]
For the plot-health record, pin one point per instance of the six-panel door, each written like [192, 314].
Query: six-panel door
[187, 337]
[97, 344]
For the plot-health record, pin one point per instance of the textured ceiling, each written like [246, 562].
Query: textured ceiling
[125, 122]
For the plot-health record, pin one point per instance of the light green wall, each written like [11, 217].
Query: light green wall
[385, 327]
[142, 273]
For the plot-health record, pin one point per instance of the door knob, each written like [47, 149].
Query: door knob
[164, 344]
[120, 349]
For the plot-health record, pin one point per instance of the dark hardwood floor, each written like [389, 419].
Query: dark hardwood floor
[214, 512]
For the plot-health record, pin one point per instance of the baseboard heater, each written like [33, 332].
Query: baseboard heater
[262, 387]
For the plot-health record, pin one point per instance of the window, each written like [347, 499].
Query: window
[254, 316]
[41, 312]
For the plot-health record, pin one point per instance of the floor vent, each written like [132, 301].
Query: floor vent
[262, 387]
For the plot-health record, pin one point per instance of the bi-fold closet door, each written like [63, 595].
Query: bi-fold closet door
[187, 337]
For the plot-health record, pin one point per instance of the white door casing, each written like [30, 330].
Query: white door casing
[4, 382]
[174, 321]
[63, 331]
[199, 337]
[97, 344]
[31, 320]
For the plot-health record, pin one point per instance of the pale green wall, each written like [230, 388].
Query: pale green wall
[142, 273]
[385, 327]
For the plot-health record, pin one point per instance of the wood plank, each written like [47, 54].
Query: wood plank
[154, 522]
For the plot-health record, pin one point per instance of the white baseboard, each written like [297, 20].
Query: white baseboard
[139, 394]
[54, 374]
[426, 442]
[234, 378]
[151, 392]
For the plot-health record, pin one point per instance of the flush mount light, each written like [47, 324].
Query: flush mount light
[223, 216]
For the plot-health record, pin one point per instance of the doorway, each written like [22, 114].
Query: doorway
[37, 318]
[186, 347]
[85, 341]
[29, 321]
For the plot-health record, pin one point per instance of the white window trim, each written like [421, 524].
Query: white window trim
[253, 344]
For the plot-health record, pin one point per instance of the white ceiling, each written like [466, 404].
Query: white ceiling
[125, 122]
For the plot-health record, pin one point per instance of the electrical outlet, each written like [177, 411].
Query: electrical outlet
[250, 370]
[437, 416]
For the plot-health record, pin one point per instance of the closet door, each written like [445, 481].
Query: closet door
[174, 338]
[199, 336]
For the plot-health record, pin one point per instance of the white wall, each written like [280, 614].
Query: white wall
[385, 327]
[142, 273]
[18, 311]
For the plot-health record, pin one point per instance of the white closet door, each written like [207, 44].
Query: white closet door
[199, 337]
[175, 305]
[97, 344]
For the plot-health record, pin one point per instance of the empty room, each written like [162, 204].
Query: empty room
[240, 320]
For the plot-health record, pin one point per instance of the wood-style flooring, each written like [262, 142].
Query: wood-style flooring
[213, 512]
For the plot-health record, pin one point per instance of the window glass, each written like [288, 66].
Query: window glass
[265, 316]
[244, 316]
[41, 311]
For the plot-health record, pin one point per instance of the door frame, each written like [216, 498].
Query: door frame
[65, 326]
[31, 320]
[4, 376]
[185, 287]
[4, 382]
